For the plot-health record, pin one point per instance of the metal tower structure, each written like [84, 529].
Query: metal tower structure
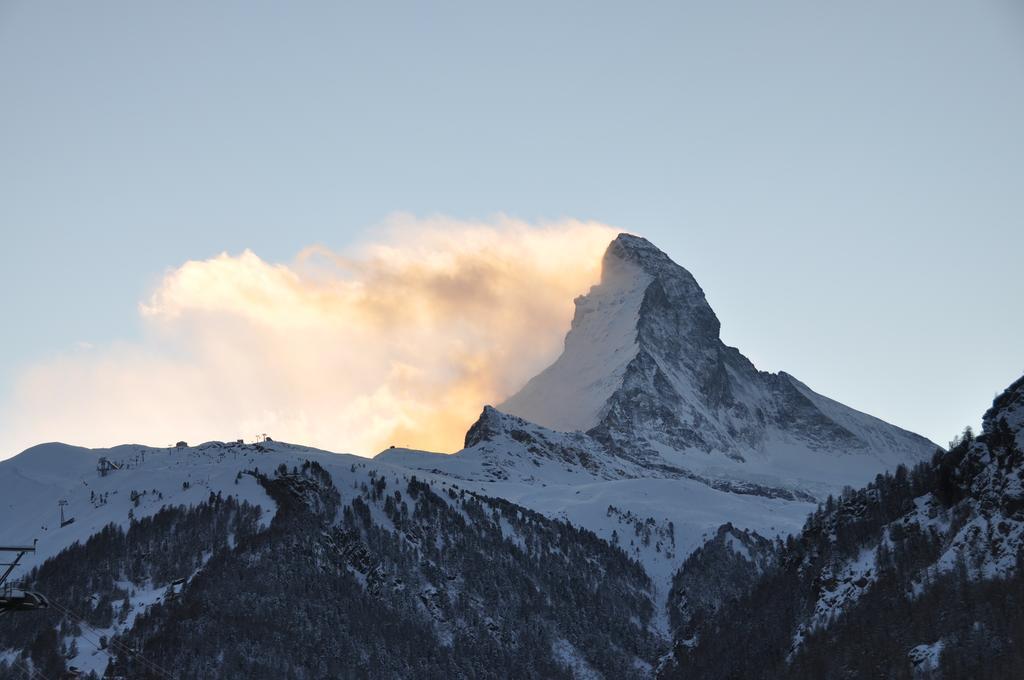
[15, 599]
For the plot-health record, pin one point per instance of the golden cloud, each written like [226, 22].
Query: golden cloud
[399, 341]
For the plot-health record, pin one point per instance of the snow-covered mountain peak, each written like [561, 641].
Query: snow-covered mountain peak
[645, 303]
[642, 253]
[672, 290]
[645, 373]
[639, 252]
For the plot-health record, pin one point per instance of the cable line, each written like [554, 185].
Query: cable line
[31, 673]
[115, 644]
[111, 642]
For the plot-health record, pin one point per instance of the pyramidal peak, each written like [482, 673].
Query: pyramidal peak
[671, 287]
[638, 250]
[645, 305]
[645, 373]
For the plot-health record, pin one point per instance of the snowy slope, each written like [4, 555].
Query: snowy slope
[658, 516]
[32, 483]
[658, 521]
[571, 393]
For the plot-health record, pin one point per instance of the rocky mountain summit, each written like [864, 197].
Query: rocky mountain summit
[646, 375]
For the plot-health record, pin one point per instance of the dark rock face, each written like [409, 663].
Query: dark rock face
[647, 403]
[674, 300]
[487, 427]
[685, 389]
[1008, 406]
[797, 413]
[683, 376]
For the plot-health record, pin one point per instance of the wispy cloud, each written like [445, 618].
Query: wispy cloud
[398, 341]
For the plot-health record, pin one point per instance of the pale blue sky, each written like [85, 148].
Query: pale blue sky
[846, 180]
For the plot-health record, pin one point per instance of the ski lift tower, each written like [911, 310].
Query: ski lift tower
[13, 599]
[64, 522]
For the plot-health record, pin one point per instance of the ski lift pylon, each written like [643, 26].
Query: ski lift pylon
[64, 522]
[16, 599]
